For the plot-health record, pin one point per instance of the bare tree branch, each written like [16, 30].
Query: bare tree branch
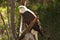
[29, 29]
[24, 2]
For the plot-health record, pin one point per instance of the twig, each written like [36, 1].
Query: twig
[2, 19]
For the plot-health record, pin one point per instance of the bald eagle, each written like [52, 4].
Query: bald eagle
[28, 16]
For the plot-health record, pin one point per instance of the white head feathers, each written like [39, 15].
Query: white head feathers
[23, 9]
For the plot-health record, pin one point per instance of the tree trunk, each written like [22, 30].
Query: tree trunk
[12, 15]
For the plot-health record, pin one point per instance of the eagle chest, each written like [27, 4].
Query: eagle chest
[28, 17]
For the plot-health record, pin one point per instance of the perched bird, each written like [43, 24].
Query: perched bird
[28, 17]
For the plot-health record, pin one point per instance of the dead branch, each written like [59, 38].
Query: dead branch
[24, 2]
[29, 28]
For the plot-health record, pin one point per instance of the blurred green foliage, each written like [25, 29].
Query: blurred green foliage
[49, 15]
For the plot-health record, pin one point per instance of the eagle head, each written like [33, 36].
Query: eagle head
[22, 9]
